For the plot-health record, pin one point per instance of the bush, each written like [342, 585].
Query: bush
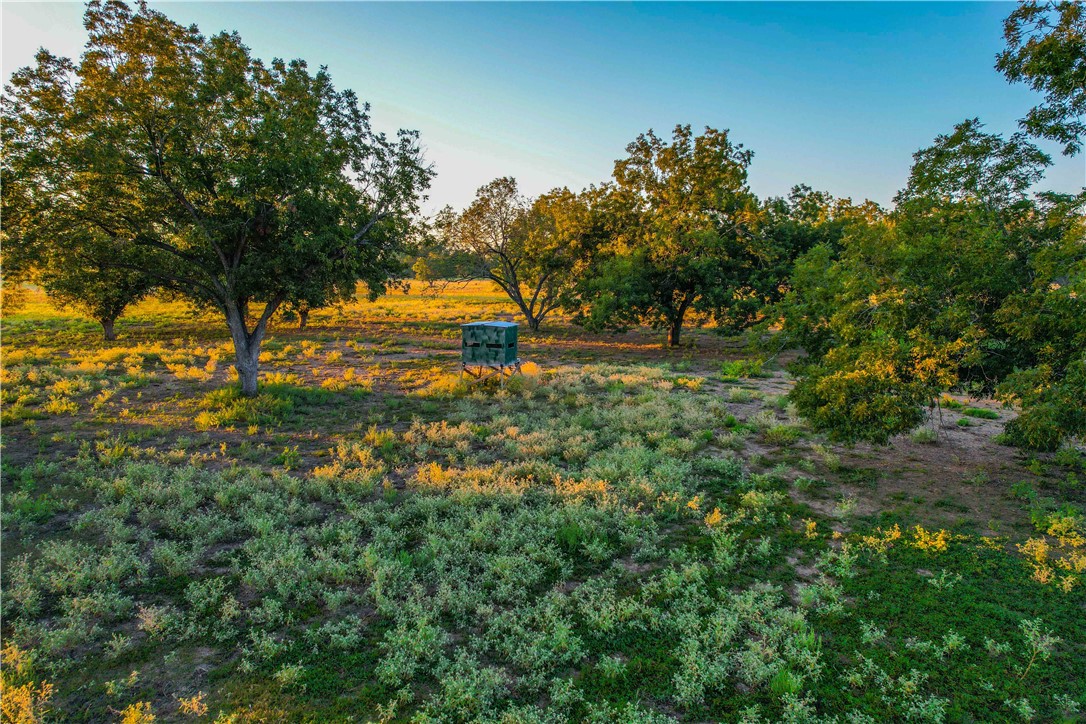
[861, 394]
[1053, 409]
[924, 436]
[735, 369]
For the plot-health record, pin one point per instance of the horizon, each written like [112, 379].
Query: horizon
[834, 95]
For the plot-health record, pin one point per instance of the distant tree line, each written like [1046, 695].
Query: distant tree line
[969, 280]
[166, 160]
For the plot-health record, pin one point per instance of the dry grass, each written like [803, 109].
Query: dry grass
[617, 535]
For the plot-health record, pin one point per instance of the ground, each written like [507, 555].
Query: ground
[623, 533]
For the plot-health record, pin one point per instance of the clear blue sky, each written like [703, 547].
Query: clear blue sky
[835, 95]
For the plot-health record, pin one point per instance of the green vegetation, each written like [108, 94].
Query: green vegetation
[191, 165]
[623, 531]
[1045, 42]
[967, 282]
[592, 543]
[732, 370]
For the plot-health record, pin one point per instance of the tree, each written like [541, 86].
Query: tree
[243, 186]
[875, 358]
[1047, 317]
[970, 281]
[806, 231]
[530, 249]
[49, 240]
[301, 310]
[971, 166]
[88, 278]
[1046, 48]
[683, 228]
[13, 295]
[13, 267]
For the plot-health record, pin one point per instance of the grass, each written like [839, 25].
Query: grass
[981, 412]
[734, 370]
[924, 436]
[589, 544]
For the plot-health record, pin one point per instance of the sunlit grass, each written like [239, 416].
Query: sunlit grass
[374, 536]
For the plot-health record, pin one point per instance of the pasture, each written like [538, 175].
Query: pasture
[624, 533]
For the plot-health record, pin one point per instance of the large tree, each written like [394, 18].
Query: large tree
[243, 185]
[1046, 318]
[809, 227]
[970, 281]
[532, 250]
[1046, 49]
[683, 236]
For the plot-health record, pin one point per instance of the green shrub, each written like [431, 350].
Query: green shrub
[736, 369]
[924, 436]
[782, 434]
[1053, 409]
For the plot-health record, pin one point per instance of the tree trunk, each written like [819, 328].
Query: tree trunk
[674, 332]
[246, 348]
[676, 328]
[534, 322]
[303, 319]
[107, 329]
[247, 366]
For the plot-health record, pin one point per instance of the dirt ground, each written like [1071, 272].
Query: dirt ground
[960, 480]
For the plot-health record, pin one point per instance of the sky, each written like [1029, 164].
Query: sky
[835, 95]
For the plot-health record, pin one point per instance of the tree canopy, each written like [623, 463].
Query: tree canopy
[946, 291]
[236, 183]
[1046, 49]
[683, 235]
[533, 250]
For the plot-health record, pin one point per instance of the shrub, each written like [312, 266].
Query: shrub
[735, 369]
[782, 434]
[924, 436]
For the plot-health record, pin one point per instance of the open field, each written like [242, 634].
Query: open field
[625, 533]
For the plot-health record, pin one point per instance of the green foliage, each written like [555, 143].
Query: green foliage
[682, 236]
[1046, 49]
[924, 436]
[1053, 405]
[735, 369]
[272, 406]
[229, 181]
[864, 392]
[969, 281]
[970, 166]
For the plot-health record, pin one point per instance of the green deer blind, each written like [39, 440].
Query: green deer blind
[492, 344]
